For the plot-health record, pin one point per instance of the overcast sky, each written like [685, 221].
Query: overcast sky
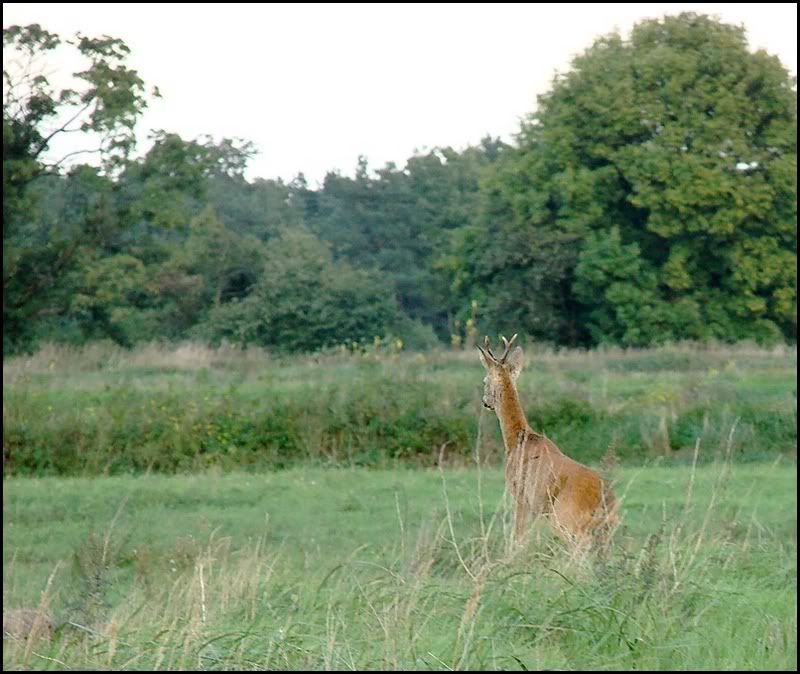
[314, 86]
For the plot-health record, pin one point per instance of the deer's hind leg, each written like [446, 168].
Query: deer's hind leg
[572, 518]
[519, 518]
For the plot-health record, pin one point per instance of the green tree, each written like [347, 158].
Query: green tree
[192, 260]
[622, 290]
[170, 185]
[304, 300]
[678, 144]
[400, 222]
[213, 266]
[104, 298]
[261, 208]
[107, 99]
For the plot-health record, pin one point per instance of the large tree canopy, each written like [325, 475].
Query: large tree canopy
[107, 99]
[652, 196]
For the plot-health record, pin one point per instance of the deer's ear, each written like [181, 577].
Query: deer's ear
[484, 358]
[515, 361]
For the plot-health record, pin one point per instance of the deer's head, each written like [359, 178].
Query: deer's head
[501, 373]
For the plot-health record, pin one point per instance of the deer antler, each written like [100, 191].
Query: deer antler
[488, 351]
[507, 343]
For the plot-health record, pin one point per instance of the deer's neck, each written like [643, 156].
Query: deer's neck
[512, 418]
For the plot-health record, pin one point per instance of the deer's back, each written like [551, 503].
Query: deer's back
[540, 473]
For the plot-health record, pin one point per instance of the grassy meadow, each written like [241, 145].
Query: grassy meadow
[103, 410]
[160, 513]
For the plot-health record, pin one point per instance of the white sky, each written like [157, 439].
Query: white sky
[315, 85]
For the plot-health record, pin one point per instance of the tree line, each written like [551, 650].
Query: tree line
[650, 197]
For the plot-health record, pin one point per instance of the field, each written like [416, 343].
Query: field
[102, 410]
[333, 553]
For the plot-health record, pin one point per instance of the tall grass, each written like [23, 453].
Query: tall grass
[101, 409]
[327, 565]
[349, 569]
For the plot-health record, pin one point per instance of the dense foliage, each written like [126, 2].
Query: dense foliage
[650, 197]
[102, 409]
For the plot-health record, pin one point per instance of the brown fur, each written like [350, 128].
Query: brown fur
[540, 478]
[25, 623]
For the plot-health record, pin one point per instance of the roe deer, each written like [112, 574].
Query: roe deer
[540, 478]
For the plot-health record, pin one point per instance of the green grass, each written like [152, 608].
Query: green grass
[142, 511]
[102, 410]
[354, 568]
